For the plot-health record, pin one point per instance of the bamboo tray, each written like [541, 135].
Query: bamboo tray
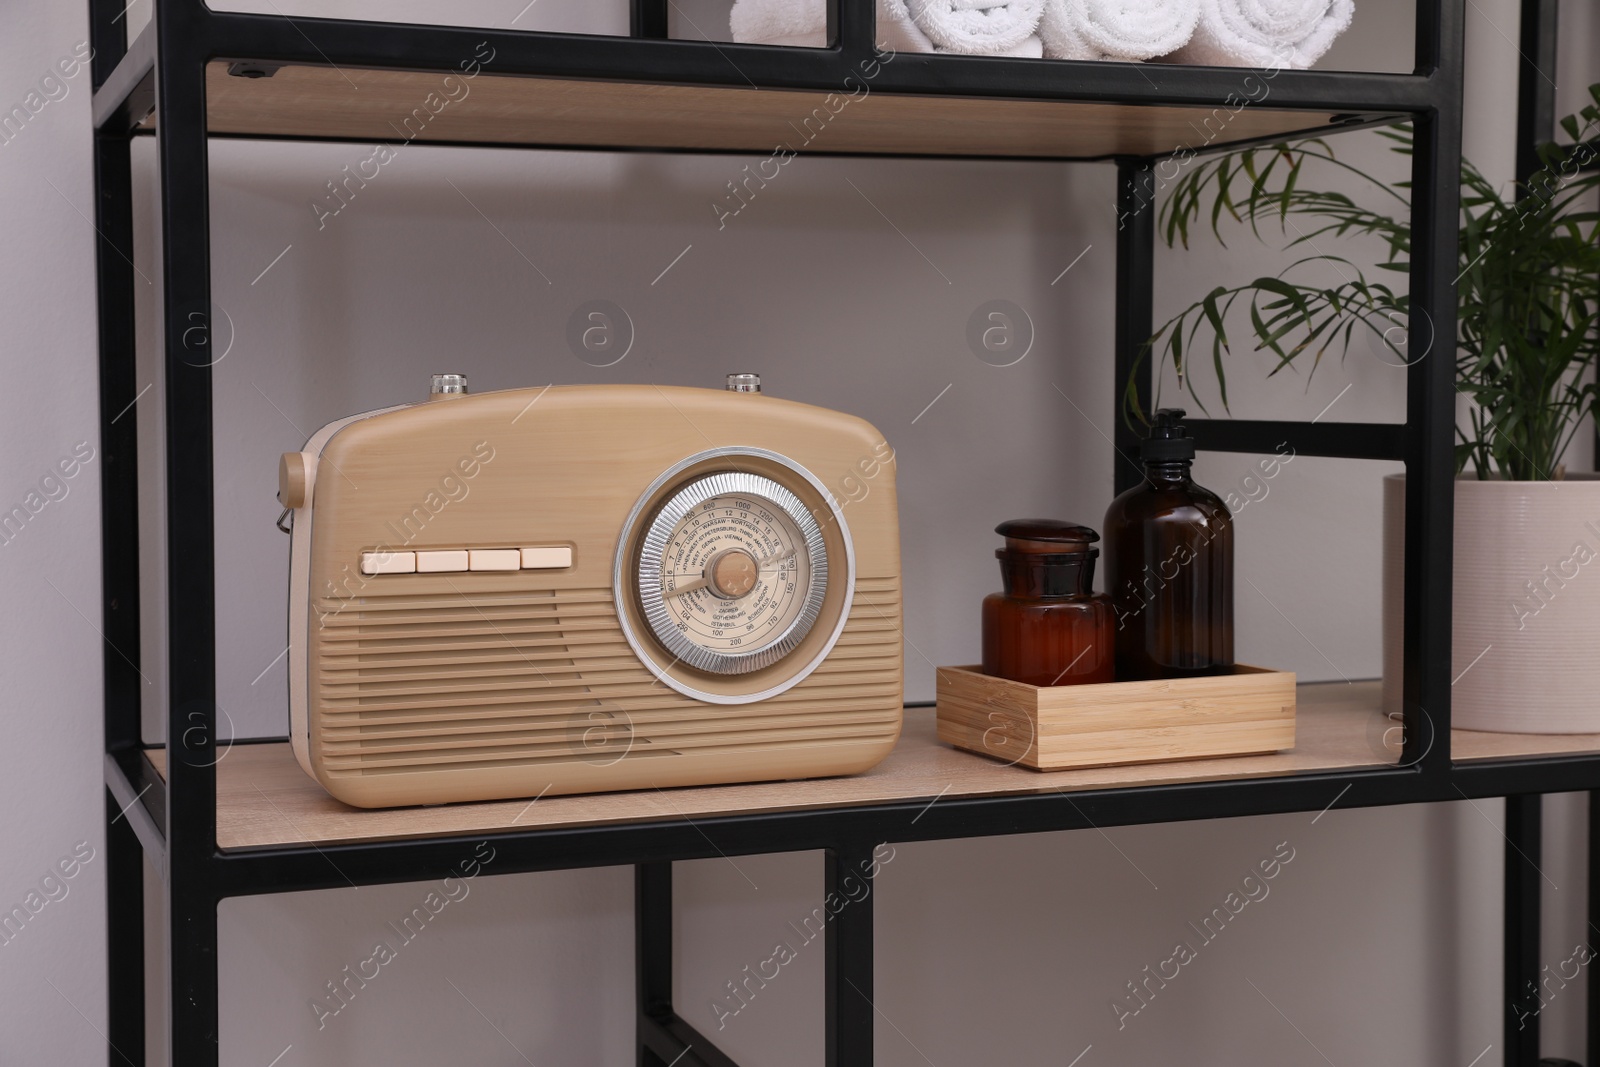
[1248, 712]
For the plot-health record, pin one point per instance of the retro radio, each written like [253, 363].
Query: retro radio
[590, 588]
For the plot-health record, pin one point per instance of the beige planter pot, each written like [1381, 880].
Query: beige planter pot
[1525, 651]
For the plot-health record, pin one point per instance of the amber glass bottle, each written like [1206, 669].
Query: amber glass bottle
[1048, 627]
[1169, 565]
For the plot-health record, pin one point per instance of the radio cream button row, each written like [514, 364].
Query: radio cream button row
[456, 560]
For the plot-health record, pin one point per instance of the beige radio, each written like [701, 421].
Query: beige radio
[590, 588]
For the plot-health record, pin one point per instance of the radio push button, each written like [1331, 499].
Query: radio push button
[548, 558]
[388, 562]
[442, 561]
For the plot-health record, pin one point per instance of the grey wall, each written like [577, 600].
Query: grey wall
[51, 985]
[1008, 950]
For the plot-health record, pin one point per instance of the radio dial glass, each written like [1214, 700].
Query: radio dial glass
[732, 572]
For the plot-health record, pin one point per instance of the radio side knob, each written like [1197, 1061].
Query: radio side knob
[292, 470]
[744, 383]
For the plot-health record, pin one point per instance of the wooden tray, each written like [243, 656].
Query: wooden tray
[1248, 712]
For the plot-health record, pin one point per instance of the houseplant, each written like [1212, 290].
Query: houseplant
[1526, 531]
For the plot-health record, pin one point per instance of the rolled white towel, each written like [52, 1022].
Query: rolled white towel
[1116, 29]
[977, 27]
[1030, 48]
[1265, 33]
[804, 24]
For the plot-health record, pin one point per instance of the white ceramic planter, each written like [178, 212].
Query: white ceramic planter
[1525, 653]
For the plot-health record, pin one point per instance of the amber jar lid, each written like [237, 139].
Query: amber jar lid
[1046, 558]
[1045, 536]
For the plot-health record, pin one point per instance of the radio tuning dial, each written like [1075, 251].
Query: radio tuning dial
[744, 383]
[731, 572]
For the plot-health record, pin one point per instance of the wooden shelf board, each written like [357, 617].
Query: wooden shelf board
[1467, 746]
[374, 105]
[264, 798]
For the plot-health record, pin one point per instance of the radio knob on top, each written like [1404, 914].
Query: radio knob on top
[447, 385]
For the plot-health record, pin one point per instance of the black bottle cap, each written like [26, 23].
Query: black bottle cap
[1169, 439]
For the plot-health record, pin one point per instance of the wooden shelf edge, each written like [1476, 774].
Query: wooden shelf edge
[399, 107]
[1478, 746]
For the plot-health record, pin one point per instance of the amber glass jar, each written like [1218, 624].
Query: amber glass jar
[1169, 565]
[1048, 627]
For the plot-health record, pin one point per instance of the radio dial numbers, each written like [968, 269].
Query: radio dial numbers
[732, 573]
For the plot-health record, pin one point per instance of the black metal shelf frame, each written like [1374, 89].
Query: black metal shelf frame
[171, 822]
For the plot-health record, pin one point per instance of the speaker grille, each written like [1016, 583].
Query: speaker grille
[505, 678]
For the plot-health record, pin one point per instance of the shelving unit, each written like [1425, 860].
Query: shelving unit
[255, 824]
